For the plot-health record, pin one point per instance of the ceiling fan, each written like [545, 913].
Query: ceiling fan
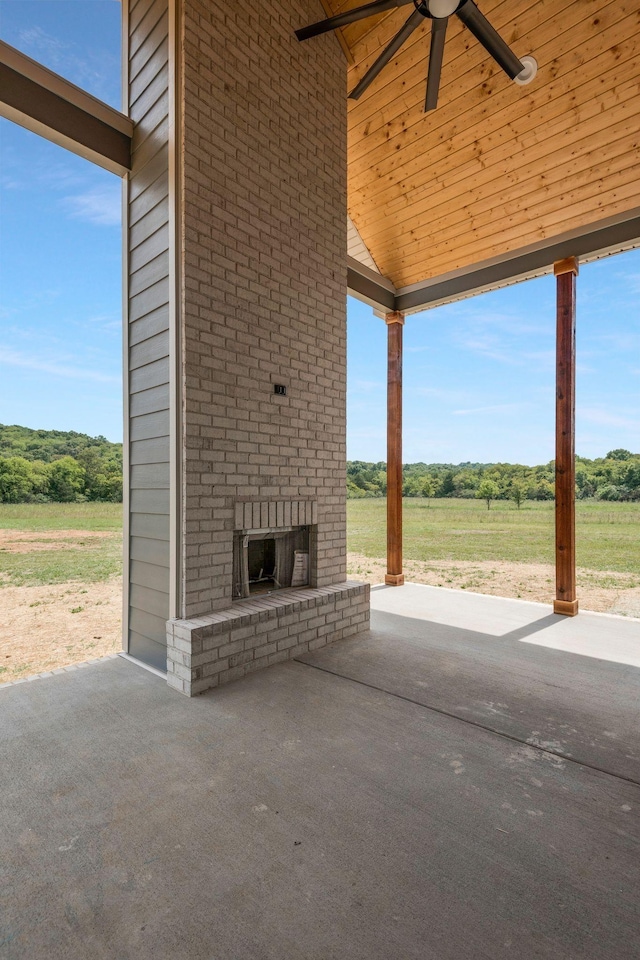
[438, 12]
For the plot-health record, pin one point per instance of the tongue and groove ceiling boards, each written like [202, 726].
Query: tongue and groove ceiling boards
[498, 169]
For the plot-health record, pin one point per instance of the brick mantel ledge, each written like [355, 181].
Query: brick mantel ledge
[210, 650]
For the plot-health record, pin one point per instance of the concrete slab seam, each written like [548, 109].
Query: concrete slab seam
[472, 723]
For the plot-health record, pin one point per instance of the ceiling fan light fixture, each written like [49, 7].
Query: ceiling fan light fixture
[527, 74]
[439, 9]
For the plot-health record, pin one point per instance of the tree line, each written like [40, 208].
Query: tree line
[614, 477]
[37, 466]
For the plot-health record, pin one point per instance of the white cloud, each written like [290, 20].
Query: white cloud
[584, 369]
[100, 205]
[480, 317]
[366, 386]
[544, 357]
[36, 40]
[605, 419]
[107, 323]
[495, 408]
[490, 347]
[505, 336]
[631, 279]
[91, 68]
[10, 183]
[621, 341]
[12, 358]
[438, 393]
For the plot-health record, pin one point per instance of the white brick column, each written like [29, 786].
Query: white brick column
[262, 302]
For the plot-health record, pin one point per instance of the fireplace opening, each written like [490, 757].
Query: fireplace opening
[261, 557]
[268, 560]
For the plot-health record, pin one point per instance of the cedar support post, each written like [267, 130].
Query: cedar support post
[566, 272]
[395, 322]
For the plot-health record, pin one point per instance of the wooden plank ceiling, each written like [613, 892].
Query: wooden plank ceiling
[496, 166]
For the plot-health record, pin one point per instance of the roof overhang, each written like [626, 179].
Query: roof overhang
[47, 104]
[491, 188]
[500, 180]
[610, 236]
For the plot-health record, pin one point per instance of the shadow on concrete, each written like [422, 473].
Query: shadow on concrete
[572, 705]
[528, 630]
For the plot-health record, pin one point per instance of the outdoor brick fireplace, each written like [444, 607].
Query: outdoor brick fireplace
[278, 610]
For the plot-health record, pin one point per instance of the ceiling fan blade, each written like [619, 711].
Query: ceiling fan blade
[438, 34]
[489, 38]
[411, 24]
[349, 16]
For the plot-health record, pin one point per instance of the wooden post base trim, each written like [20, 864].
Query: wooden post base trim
[568, 608]
[394, 579]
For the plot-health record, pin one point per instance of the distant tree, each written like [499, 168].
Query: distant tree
[50, 445]
[66, 480]
[543, 490]
[447, 486]
[611, 492]
[632, 475]
[16, 484]
[380, 480]
[464, 481]
[354, 492]
[428, 488]
[517, 492]
[585, 487]
[488, 490]
[617, 475]
[107, 488]
[412, 487]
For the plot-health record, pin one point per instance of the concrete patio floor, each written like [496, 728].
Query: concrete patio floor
[463, 782]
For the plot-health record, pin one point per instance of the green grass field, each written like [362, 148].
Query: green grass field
[607, 537]
[57, 559]
[37, 517]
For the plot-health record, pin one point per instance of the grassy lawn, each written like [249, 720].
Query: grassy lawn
[55, 542]
[88, 546]
[608, 534]
[37, 517]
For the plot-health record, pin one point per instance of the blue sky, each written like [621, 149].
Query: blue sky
[60, 246]
[479, 375]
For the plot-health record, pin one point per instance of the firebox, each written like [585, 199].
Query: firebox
[261, 559]
[268, 560]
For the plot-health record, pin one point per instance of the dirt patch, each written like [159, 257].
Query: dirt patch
[46, 627]
[17, 541]
[52, 626]
[604, 591]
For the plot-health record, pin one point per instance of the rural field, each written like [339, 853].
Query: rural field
[60, 585]
[61, 565]
[504, 551]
